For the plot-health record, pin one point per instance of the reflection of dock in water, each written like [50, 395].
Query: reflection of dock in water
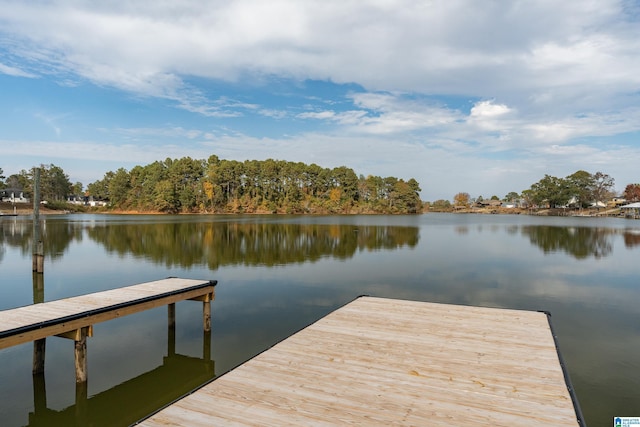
[130, 400]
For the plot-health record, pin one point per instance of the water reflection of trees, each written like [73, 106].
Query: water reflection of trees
[56, 235]
[215, 244]
[580, 242]
[631, 238]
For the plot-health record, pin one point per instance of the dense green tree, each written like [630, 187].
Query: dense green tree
[406, 197]
[551, 191]
[375, 186]
[580, 185]
[185, 174]
[119, 187]
[77, 189]
[165, 198]
[580, 188]
[54, 183]
[347, 180]
[99, 190]
[512, 196]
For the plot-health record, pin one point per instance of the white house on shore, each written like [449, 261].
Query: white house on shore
[13, 195]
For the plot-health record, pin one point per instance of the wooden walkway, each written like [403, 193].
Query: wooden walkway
[389, 362]
[37, 321]
[74, 317]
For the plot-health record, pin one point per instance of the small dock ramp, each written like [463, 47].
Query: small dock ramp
[387, 362]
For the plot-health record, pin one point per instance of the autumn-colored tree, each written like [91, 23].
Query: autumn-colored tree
[461, 199]
[632, 193]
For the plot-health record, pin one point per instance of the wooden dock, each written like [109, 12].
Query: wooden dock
[74, 317]
[387, 362]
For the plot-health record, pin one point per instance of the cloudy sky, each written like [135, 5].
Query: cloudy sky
[484, 97]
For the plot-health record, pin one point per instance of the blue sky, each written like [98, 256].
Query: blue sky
[464, 96]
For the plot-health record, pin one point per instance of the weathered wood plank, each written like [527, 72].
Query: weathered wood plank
[389, 362]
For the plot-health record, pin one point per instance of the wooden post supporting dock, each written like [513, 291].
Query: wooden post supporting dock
[206, 313]
[39, 350]
[39, 346]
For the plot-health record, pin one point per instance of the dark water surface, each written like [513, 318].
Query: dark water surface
[277, 274]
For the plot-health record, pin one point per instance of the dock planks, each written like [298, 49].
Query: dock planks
[37, 321]
[389, 362]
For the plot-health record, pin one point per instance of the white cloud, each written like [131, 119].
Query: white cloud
[165, 132]
[320, 115]
[16, 72]
[488, 109]
[386, 114]
[276, 114]
[542, 78]
[401, 45]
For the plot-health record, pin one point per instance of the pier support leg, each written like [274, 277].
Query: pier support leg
[39, 349]
[39, 346]
[81, 403]
[81, 356]
[38, 258]
[39, 393]
[171, 331]
[206, 315]
[206, 346]
[79, 337]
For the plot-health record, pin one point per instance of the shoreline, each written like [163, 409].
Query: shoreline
[24, 209]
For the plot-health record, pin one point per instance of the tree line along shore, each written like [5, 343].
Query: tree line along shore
[187, 185]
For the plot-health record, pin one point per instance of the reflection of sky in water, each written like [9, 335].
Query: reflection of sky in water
[478, 260]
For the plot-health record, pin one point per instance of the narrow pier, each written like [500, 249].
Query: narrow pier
[74, 317]
[386, 362]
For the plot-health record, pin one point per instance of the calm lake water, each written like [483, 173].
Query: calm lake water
[277, 274]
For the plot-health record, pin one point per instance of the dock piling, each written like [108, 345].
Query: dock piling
[80, 353]
[171, 330]
[206, 314]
